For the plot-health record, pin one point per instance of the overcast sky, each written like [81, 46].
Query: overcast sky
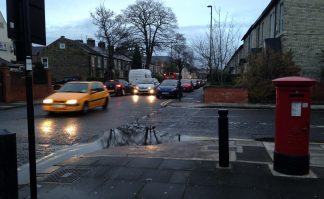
[71, 18]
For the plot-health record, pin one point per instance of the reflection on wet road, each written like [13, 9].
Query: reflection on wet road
[61, 130]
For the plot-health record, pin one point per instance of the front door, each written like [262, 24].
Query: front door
[1, 87]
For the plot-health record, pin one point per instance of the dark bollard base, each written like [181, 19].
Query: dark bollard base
[291, 165]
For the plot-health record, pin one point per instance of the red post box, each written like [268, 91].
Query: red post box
[293, 102]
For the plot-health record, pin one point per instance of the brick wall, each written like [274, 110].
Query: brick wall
[14, 86]
[304, 34]
[213, 94]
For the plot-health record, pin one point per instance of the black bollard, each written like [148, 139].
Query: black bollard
[8, 165]
[223, 138]
[146, 135]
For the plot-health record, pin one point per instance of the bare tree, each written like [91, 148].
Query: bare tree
[225, 40]
[152, 24]
[200, 47]
[183, 55]
[112, 30]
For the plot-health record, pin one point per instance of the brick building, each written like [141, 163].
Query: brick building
[295, 25]
[65, 58]
[6, 44]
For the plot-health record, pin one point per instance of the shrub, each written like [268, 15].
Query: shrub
[262, 69]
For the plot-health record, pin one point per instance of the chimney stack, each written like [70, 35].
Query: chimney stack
[102, 45]
[91, 42]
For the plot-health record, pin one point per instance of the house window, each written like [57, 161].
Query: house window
[3, 46]
[281, 15]
[92, 61]
[62, 45]
[105, 62]
[272, 26]
[257, 37]
[1, 25]
[45, 62]
[262, 36]
[99, 62]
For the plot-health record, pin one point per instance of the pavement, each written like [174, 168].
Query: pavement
[186, 169]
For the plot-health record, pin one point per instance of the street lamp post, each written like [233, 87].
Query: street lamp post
[210, 41]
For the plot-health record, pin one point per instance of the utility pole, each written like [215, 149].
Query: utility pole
[20, 13]
[29, 98]
[210, 42]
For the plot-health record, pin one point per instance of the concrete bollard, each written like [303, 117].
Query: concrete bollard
[223, 138]
[8, 165]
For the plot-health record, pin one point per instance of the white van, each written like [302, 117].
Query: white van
[135, 74]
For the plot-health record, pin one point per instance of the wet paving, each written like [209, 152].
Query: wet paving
[129, 116]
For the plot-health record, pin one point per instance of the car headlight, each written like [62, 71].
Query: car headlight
[149, 88]
[48, 101]
[136, 87]
[72, 101]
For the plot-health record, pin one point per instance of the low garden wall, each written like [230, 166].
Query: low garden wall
[14, 89]
[216, 94]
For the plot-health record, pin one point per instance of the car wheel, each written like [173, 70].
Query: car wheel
[85, 108]
[104, 107]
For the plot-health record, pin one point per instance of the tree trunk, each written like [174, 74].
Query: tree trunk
[148, 60]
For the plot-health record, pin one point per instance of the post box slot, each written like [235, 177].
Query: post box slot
[296, 95]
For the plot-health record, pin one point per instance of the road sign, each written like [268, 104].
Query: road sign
[37, 19]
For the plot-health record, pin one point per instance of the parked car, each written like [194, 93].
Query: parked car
[77, 96]
[58, 84]
[195, 83]
[145, 86]
[118, 87]
[169, 88]
[187, 85]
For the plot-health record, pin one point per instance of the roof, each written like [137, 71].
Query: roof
[83, 46]
[122, 57]
[99, 50]
[161, 59]
[261, 17]
[6, 63]
[37, 49]
[2, 61]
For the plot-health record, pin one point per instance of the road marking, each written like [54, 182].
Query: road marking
[165, 103]
[316, 126]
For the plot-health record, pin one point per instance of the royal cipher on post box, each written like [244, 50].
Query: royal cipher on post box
[293, 103]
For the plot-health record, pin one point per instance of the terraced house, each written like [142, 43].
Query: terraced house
[296, 25]
[73, 58]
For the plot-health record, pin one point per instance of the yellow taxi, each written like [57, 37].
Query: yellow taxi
[77, 96]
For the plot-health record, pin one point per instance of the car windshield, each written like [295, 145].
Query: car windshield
[74, 88]
[186, 81]
[144, 81]
[169, 83]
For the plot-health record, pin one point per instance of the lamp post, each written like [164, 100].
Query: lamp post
[210, 41]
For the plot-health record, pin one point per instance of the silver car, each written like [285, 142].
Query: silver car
[146, 86]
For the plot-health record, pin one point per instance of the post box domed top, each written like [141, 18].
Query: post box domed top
[294, 81]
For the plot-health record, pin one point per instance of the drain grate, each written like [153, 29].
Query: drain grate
[65, 175]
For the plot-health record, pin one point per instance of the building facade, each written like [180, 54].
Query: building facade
[73, 58]
[287, 25]
[6, 44]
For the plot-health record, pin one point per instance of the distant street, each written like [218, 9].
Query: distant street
[55, 132]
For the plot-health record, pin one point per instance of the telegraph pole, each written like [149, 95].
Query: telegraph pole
[20, 13]
[29, 98]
